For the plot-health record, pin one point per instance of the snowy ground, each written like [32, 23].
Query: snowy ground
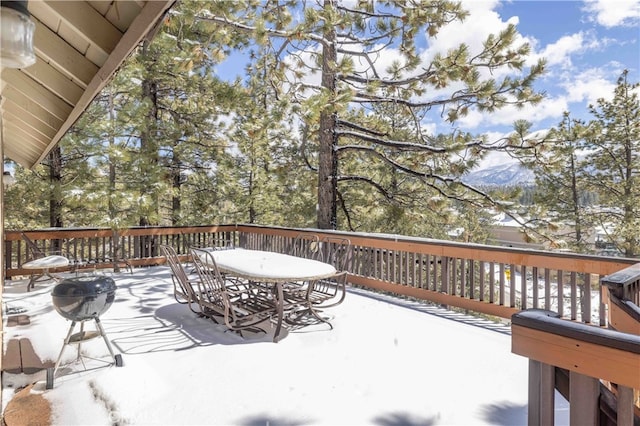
[386, 362]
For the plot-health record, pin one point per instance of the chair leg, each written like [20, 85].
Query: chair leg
[32, 281]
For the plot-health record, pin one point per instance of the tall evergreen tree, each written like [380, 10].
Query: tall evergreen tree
[338, 45]
[614, 162]
[558, 212]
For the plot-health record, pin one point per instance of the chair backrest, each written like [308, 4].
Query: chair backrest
[211, 280]
[178, 271]
[336, 251]
[307, 246]
[36, 252]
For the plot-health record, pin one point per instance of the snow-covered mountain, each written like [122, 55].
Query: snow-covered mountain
[507, 174]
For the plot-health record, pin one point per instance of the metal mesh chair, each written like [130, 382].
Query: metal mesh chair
[242, 306]
[185, 289]
[42, 263]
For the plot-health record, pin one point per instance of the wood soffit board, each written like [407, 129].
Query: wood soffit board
[79, 46]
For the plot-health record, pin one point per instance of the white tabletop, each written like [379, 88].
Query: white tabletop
[270, 266]
[53, 261]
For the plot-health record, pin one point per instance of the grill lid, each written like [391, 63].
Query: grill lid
[84, 286]
[83, 298]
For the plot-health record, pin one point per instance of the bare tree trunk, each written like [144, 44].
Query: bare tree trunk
[176, 183]
[148, 135]
[55, 197]
[327, 160]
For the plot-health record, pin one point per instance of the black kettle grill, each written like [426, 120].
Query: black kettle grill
[82, 299]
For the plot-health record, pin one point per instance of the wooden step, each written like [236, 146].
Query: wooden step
[12, 361]
[15, 320]
[21, 358]
[31, 362]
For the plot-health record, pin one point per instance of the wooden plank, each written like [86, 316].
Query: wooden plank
[578, 356]
[622, 321]
[14, 113]
[17, 102]
[31, 362]
[59, 53]
[541, 393]
[584, 392]
[11, 361]
[37, 93]
[625, 406]
[15, 320]
[55, 81]
[88, 23]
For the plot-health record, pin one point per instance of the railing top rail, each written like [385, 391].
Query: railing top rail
[583, 263]
[623, 278]
[550, 322]
[62, 233]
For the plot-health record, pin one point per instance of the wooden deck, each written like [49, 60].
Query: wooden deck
[19, 357]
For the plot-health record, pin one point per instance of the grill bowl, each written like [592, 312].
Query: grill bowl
[83, 298]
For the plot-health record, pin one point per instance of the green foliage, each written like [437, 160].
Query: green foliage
[587, 175]
[169, 143]
[614, 159]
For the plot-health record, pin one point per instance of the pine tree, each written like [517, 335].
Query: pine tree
[614, 162]
[558, 212]
[339, 44]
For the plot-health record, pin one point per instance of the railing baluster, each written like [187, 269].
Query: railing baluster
[586, 299]
[560, 284]
[501, 281]
[574, 296]
[492, 280]
[534, 278]
[482, 275]
[523, 288]
[547, 289]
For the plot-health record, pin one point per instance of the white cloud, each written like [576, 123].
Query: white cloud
[589, 85]
[549, 108]
[559, 53]
[611, 13]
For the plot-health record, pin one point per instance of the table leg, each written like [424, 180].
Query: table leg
[280, 311]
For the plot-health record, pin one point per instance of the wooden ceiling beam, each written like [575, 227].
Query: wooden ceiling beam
[55, 81]
[54, 50]
[10, 94]
[86, 22]
[17, 114]
[36, 92]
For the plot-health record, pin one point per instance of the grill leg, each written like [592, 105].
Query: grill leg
[116, 359]
[51, 372]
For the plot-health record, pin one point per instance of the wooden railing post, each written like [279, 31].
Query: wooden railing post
[591, 354]
[541, 393]
[584, 392]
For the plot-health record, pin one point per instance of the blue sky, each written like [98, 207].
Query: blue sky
[587, 45]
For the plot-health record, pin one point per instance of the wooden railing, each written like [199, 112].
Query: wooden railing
[493, 280]
[623, 293]
[588, 365]
[596, 369]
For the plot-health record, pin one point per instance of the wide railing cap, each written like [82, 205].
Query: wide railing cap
[550, 322]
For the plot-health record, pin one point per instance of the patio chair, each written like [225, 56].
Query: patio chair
[183, 286]
[317, 295]
[242, 306]
[42, 263]
[307, 246]
[328, 292]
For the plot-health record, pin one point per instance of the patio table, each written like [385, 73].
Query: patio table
[259, 266]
